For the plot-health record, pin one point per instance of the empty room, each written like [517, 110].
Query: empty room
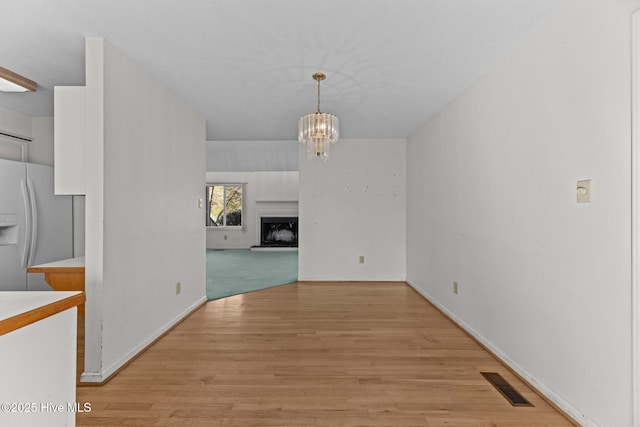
[340, 213]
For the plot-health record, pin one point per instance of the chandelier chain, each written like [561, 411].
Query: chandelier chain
[318, 95]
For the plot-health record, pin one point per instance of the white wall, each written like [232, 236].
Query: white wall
[266, 193]
[41, 148]
[252, 156]
[145, 174]
[350, 206]
[39, 129]
[544, 281]
[15, 123]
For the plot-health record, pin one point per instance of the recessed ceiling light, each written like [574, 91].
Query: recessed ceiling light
[12, 82]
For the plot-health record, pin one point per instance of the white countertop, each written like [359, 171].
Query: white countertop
[71, 262]
[15, 303]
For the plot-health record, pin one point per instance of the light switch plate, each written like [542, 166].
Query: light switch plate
[583, 191]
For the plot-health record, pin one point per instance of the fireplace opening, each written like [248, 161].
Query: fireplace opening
[279, 232]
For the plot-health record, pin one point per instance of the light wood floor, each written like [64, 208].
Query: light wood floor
[314, 354]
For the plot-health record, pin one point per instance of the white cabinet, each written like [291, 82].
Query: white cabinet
[38, 358]
[69, 139]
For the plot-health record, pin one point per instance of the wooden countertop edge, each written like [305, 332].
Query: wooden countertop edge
[24, 319]
[55, 269]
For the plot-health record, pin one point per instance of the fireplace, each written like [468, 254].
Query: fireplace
[279, 231]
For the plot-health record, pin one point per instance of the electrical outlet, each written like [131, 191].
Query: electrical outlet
[455, 288]
[225, 237]
[178, 288]
[361, 259]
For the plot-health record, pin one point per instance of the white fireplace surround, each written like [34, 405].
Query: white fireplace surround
[272, 209]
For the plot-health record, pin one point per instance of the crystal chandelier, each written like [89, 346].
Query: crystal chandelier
[318, 130]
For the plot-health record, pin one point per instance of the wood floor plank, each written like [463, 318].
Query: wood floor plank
[314, 354]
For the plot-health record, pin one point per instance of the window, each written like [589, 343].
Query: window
[224, 205]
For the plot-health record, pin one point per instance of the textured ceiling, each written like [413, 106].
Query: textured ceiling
[246, 65]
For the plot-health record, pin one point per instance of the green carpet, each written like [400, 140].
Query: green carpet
[237, 271]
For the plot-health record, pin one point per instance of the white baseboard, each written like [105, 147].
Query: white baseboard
[91, 377]
[562, 404]
[331, 278]
[99, 377]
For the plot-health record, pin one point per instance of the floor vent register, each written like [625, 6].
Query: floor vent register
[506, 389]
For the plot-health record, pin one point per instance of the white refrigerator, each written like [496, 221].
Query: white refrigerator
[36, 226]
